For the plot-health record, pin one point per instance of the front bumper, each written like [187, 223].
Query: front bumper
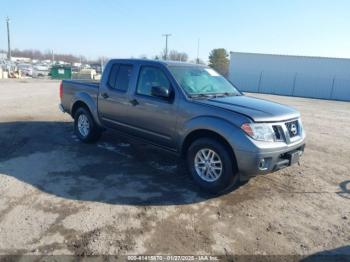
[251, 164]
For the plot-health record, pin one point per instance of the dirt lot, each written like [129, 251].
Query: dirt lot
[59, 196]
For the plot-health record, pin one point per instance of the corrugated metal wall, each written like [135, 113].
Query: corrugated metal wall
[316, 77]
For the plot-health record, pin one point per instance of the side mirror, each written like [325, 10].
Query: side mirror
[161, 91]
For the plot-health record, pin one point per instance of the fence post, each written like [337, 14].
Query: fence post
[259, 85]
[294, 83]
[332, 90]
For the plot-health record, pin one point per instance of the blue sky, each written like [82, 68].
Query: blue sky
[125, 28]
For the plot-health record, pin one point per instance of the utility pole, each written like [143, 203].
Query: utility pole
[198, 50]
[53, 57]
[8, 39]
[102, 64]
[166, 45]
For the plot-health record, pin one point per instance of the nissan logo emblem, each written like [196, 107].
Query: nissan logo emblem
[293, 129]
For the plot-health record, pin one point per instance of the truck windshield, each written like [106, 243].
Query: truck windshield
[202, 81]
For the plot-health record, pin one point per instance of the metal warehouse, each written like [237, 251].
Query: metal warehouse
[315, 77]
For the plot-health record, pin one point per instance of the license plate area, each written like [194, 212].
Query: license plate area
[294, 157]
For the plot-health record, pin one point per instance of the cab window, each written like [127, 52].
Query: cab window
[119, 77]
[150, 77]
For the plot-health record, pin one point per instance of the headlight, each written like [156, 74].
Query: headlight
[260, 132]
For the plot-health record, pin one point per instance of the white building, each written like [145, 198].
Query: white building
[315, 77]
[20, 59]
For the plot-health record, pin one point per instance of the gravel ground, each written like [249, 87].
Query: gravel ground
[59, 196]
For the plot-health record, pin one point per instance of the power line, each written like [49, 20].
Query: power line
[166, 45]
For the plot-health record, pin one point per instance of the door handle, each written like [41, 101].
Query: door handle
[105, 95]
[134, 102]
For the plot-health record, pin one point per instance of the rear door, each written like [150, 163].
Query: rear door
[113, 95]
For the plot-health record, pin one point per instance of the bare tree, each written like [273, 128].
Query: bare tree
[178, 56]
[198, 61]
[36, 54]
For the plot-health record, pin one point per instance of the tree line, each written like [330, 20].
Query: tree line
[47, 55]
[218, 58]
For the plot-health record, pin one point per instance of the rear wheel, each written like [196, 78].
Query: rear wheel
[211, 165]
[85, 127]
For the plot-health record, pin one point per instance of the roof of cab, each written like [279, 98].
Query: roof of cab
[163, 62]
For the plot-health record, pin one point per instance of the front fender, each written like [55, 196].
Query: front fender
[230, 132]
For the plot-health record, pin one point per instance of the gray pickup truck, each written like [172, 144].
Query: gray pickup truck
[192, 111]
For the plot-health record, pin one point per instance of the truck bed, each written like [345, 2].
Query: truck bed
[71, 89]
[85, 83]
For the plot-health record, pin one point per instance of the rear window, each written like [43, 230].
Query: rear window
[123, 77]
[113, 76]
[119, 78]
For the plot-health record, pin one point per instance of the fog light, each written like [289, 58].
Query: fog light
[262, 164]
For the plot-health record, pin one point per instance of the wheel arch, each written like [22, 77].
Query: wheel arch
[86, 101]
[206, 133]
[79, 104]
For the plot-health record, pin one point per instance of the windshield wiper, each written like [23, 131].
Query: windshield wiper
[213, 95]
[226, 94]
[201, 95]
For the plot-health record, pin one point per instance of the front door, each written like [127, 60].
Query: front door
[151, 117]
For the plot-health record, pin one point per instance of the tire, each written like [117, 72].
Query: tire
[214, 181]
[91, 132]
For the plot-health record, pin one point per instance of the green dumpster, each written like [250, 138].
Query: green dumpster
[61, 72]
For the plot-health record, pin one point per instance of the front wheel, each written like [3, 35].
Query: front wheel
[85, 127]
[211, 165]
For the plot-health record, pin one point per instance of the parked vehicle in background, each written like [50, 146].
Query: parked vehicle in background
[26, 69]
[40, 71]
[192, 111]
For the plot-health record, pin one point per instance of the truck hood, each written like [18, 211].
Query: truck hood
[257, 109]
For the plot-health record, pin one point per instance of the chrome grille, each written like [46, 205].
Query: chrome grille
[278, 132]
[293, 128]
[289, 131]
